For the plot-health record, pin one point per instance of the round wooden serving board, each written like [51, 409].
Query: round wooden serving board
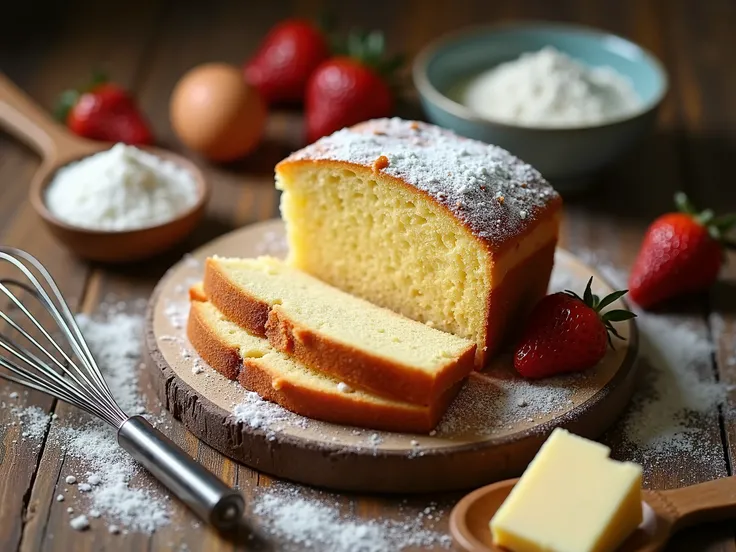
[491, 432]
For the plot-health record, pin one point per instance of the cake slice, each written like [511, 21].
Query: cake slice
[366, 346]
[440, 228]
[258, 367]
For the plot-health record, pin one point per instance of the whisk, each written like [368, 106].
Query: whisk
[35, 359]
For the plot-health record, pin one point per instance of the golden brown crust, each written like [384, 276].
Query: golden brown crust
[363, 369]
[339, 408]
[245, 310]
[550, 210]
[497, 211]
[360, 368]
[510, 302]
[196, 293]
[206, 342]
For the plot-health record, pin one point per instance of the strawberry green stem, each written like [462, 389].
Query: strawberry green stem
[597, 304]
[718, 227]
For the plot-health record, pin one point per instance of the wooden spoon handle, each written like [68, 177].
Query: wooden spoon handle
[703, 503]
[29, 122]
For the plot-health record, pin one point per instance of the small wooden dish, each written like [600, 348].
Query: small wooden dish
[126, 245]
[58, 148]
[664, 513]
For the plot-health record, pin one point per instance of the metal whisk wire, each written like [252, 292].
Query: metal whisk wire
[74, 378]
[41, 363]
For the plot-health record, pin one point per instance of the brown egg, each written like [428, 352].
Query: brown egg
[214, 112]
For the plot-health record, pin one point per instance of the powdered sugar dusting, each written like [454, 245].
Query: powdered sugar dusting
[115, 342]
[256, 413]
[483, 185]
[34, 421]
[116, 345]
[677, 391]
[299, 522]
[138, 509]
[177, 312]
[488, 405]
[677, 385]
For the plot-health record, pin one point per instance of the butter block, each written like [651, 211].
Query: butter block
[571, 498]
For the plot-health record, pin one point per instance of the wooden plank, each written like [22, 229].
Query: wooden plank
[82, 43]
[243, 193]
[19, 456]
[199, 30]
[611, 220]
[680, 55]
[700, 40]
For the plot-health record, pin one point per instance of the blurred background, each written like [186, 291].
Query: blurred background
[148, 46]
[685, 142]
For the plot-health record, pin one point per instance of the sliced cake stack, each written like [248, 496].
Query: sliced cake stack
[455, 234]
[322, 352]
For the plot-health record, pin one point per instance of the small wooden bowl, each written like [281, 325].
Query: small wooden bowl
[58, 147]
[125, 245]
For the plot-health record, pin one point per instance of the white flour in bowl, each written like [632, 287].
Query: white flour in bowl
[550, 89]
[123, 188]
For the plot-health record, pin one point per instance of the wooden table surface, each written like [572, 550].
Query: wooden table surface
[148, 45]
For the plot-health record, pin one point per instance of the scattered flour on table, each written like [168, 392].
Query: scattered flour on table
[317, 523]
[80, 523]
[115, 342]
[116, 345]
[677, 387]
[33, 420]
[137, 509]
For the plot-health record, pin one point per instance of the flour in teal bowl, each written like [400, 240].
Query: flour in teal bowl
[548, 88]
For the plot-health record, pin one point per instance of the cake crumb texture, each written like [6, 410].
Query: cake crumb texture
[430, 234]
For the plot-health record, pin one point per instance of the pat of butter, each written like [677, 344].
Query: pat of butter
[571, 498]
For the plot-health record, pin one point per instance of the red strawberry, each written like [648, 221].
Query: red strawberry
[288, 55]
[567, 333]
[105, 111]
[346, 90]
[681, 253]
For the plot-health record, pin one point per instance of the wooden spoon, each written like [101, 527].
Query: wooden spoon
[58, 147]
[664, 513]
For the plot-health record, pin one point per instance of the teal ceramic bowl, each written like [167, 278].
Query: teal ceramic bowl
[560, 154]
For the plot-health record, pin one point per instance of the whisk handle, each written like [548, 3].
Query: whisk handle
[205, 494]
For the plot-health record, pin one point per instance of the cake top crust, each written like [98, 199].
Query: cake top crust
[495, 194]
